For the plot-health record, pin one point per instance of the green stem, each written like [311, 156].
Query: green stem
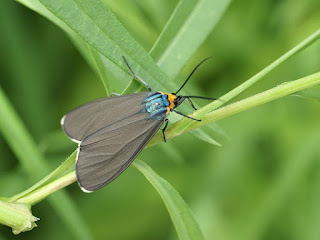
[236, 91]
[261, 98]
[48, 189]
[256, 100]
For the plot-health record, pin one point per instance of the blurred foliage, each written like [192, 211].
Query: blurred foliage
[261, 184]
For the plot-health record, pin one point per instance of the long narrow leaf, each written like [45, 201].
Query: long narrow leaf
[94, 23]
[182, 218]
[188, 27]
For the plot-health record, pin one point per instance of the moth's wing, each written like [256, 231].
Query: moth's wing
[90, 117]
[106, 153]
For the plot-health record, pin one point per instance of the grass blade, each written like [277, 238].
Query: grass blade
[182, 218]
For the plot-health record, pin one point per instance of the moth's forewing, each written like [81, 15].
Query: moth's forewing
[90, 117]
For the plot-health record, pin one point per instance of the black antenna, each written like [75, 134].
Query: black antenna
[192, 74]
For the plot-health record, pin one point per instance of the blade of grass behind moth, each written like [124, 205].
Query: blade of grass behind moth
[178, 41]
[24, 147]
[181, 216]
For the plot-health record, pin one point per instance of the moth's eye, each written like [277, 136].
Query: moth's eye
[157, 104]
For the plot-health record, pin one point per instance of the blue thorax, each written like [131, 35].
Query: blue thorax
[156, 105]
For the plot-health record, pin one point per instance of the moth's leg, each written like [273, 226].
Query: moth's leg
[186, 115]
[135, 76]
[191, 103]
[164, 129]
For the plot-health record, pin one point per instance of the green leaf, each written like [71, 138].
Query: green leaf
[92, 27]
[97, 26]
[187, 28]
[182, 218]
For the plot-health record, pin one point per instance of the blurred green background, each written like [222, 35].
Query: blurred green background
[263, 183]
